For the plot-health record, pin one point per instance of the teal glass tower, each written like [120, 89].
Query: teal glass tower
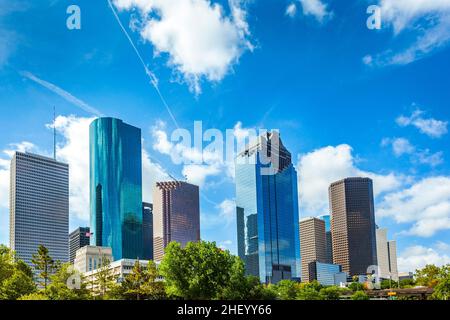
[116, 187]
[267, 211]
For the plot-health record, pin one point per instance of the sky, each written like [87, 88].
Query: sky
[347, 100]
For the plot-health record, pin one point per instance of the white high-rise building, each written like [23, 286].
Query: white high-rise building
[386, 256]
[39, 206]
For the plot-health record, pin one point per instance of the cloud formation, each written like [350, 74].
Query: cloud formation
[428, 20]
[319, 168]
[425, 204]
[417, 257]
[199, 38]
[429, 126]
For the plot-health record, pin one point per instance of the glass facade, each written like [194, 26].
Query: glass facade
[324, 273]
[116, 187]
[267, 216]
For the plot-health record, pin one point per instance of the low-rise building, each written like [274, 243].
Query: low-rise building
[327, 274]
[90, 258]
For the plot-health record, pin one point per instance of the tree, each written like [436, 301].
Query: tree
[199, 271]
[17, 285]
[360, 295]
[59, 289]
[407, 283]
[104, 280]
[6, 263]
[44, 264]
[428, 276]
[142, 283]
[310, 291]
[287, 290]
[356, 286]
[442, 289]
[39, 295]
[388, 284]
[331, 293]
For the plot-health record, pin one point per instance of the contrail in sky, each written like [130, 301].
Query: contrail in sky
[150, 74]
[62, 93]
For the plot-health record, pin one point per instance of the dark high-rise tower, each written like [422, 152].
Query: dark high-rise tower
[353, 224]
[267, 210]
[78, 238]
[116, 187]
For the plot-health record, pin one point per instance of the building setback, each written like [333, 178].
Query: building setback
[312, 244]
[176, 215]
[115, 163]
[147, 231]
[78, 238]
[329, 240]
[267, 210]
[353, 225]
[39, 206]
[386, 256]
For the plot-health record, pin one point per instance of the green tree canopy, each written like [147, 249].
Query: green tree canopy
[201, 270]
[428, 276]
[67, 284]
[17, 285]
[360, 295]
[44, 265]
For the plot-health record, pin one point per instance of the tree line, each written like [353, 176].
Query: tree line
[200, 271]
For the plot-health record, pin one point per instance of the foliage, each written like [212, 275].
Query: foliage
[142, 283]
[407, 283]
[388, 284]
[442, 289]
[356, 286]
[43, 264]
[201, 270]
[17, 285]
[16, 278]
[331, 293]
[287, 290]
[428, 276]
[360, 295]
[34, 296]
[58, 289]
[105, 280]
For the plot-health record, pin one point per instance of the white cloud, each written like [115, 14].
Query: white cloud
[319, 168]
[417, 257]
[425, 204]
[315, 8]
[429, 126]
[227, 210]
[199, 165]
[151, 173]
[200, 39]
[402, 146]
[430, 20]
[291, 10]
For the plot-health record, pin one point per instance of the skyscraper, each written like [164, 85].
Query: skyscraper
[386, 256]
[78, 238]
[267, 210]
[353, 224]
[312, 244]
[147, 230]
[39, 206]
[116, 187]
[329, 240]
[176, 215]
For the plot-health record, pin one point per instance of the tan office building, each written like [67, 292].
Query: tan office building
[312, 244]
[176, 215]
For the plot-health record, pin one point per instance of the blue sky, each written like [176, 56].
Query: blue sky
[347, 100]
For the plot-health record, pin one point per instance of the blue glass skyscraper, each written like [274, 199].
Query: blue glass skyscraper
[267, 211]
[116, 187]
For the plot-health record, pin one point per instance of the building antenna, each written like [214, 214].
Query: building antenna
[54, 133]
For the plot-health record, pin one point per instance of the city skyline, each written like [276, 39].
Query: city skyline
[340, 114]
